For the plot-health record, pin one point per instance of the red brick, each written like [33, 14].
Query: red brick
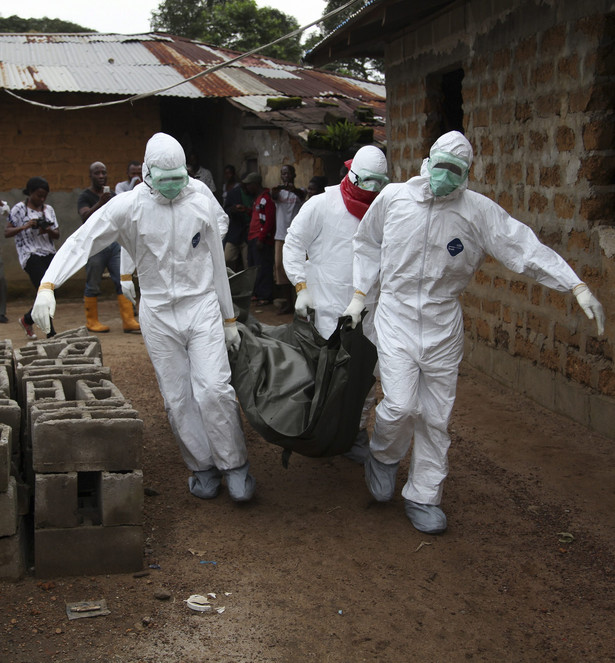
[523, 111]
[538, 323]
[577, 369]
[480, 118]
[525, 348]
[518, 288]
[501, 338]
[550, 359]
[543, 73]
[536, 294]
[488, 91]
[553, 40]
[482, 278]
[578, 101]
[470, 301]
[506, 314]
[513, 172]
[505, 200]
[499, 282]
[537, 203]
[486, 146]
[500, 60]
[564, 206]
[569, 66]
[550, 176]
[563, 335]
[565, 139]
[548, 105]
[598, 135]
[491, 174]
[526, 50]
[599, 207]
[483, 330]
[538, 141]
[557, 300]
[598, 169]
[578, 240]
[606, 382]
[599, 347]
[493, 308]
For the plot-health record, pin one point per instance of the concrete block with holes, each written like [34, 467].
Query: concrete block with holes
[9, 509]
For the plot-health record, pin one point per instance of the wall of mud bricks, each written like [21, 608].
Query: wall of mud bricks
[71, 485]
[535, 97]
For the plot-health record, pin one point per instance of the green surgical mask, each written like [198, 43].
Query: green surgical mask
[446, 173]
[169, 182]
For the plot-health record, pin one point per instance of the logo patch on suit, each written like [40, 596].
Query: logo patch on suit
[455, 246]
[195, 240]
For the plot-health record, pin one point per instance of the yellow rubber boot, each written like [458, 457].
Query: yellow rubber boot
[128, 316]
[91, 316]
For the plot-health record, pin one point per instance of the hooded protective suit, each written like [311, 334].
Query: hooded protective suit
[424, 249]
[176, 246]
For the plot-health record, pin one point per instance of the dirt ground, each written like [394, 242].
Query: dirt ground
[313, 569]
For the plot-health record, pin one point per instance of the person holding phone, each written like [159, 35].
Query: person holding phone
[34, 226]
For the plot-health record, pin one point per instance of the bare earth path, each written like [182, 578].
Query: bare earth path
[314, 570]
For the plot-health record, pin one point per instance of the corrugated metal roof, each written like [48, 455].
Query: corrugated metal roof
[128, 65]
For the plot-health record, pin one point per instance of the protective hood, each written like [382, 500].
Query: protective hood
[165, 153]
[455, 144]
[369, 166]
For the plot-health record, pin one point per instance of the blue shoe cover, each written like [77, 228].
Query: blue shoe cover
[428, 518]
[240, 483]
[205, 483]
[380, 478]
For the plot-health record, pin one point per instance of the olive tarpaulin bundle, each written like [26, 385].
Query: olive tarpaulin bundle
[299, 390]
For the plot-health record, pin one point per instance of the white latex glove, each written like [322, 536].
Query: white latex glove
[231, 336]
[4, 208]
[590, 305]
[44, 308]
[355, 308]
[128, 290]
[304, 302]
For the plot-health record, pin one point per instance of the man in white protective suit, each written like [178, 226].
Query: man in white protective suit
[170, 227]
[424, 239]
[323, 229]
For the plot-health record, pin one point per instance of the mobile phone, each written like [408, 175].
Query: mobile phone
[106, 189]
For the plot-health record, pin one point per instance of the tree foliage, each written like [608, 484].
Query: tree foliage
[237, 24]
[17, 24]
[370, 69]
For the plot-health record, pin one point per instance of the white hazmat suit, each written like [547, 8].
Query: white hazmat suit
[176, 247]
[424, 249]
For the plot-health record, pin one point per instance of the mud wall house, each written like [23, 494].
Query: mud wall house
[531, 84]
[256, 113]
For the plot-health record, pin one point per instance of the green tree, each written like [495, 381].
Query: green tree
[370, 69]
[237, 24]
[17, 24]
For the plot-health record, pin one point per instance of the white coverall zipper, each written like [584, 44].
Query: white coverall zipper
[421, 274]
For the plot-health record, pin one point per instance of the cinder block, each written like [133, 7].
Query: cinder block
[10, 415]
[9, 509]
[68, 376]
[88, 390]
[88, 550]
[87, 441]
[28, 354]
[5, 457]
[6, 388]
[13, 554]
[55, 500]
[121, 498]
[81, 349]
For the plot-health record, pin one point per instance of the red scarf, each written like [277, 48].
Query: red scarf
[357, 200]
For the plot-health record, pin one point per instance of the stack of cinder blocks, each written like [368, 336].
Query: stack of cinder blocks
[14, 493]
[81, 455]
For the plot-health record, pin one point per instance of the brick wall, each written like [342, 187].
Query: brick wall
[538, 91]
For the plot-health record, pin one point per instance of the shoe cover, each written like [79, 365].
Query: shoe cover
[380, 478]
[240, 483]
[427, 518]
[359, 450]
[205, 483]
